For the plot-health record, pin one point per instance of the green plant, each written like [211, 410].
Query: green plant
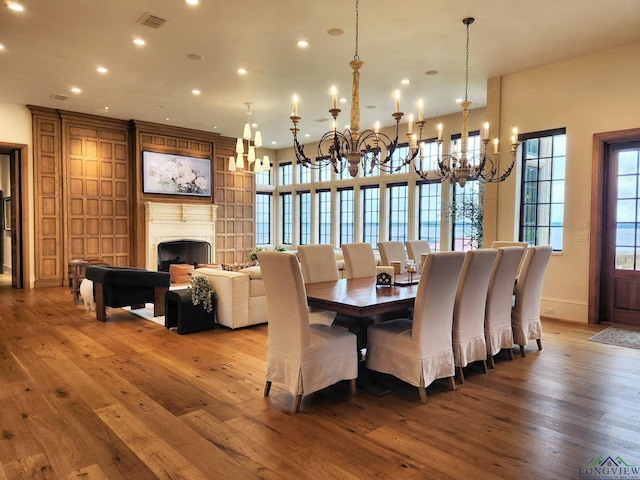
[469, 209]
[253, 255]
[202, 293]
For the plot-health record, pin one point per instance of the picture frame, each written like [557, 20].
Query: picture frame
[172, 174]
[6, 213]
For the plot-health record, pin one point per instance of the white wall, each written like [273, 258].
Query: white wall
[15, 128]
[586, 95]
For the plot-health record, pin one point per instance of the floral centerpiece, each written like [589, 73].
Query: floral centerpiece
[203, 293]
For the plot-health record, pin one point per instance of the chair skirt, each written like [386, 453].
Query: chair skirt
[330, 357]
[392, 350]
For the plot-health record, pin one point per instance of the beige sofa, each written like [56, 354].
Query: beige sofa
[241, 298]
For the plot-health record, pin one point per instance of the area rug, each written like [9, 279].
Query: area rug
[620, 335]
[146, 313]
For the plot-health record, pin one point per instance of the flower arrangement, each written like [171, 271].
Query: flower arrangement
[202, 293]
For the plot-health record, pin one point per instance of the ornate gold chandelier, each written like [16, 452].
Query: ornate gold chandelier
[350, 148]
[458, 167]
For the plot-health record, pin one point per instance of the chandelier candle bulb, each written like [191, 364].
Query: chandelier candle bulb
[397, 97]
[334, 97]
[377, 128]
[439, 132]
[420, 110]
[295, 105]
[495, 145]
[485, 133]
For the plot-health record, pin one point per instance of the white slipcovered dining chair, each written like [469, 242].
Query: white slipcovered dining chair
[420, 351]
[525, 315]
[416, 248]
[359, 261]
[305, 358]
[469, 308]
[392, 252]
[497, 320]
[511, 243]
[318, 264]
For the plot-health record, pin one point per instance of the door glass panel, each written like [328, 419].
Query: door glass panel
[627, 211]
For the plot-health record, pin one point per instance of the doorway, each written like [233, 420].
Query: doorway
[15, 214]
[614, 287]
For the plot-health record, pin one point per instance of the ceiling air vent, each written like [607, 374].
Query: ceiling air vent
[150, 20]
[59, 96]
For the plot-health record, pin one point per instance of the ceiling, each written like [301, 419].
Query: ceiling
[54, 45]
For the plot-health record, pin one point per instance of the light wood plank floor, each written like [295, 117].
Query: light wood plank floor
[130, 399]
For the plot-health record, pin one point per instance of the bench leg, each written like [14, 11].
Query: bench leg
[159, 294]
[101, 309]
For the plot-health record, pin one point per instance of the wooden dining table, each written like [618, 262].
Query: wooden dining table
[360, 297]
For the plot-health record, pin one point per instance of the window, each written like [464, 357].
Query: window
[398, 158]
[285, 173]
[429, 213]
[542, 204]
[398, 212]
[304, 174]
[304, 212]
[324, 215]
[286, 217]
[467, 212]
[263, 218]
[263, 177]
[429, 154]
[467, 205]
[324, 174]
[346, 215]
[370, 214]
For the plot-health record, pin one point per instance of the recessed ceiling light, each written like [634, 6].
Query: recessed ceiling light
[302, 43]
[138, 41]
[274, 143]
[242, 71]
[307, 135]
[16, 7]
[343, 100]
[75, 90]
[335, 32]
[1, 47]
[194, 56]
[192, 2]
[101, 70]
[195, 91]
[405, 81]
[431, 72]
[167, 119]
[106, 108]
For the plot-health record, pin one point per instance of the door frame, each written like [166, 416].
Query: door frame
[599, 165]
[19, 172]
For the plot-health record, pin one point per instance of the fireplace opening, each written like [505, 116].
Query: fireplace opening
[190, 252]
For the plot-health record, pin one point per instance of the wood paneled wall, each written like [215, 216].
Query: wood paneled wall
[47, 174]
[97, 191]
[235, 194]
[88, 190]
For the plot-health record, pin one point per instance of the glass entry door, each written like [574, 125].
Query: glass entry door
[622, 235]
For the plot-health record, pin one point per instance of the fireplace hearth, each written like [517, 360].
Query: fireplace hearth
[190, 252]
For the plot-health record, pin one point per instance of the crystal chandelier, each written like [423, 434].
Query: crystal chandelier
[466, 165]
[351, 148]
[254, 164]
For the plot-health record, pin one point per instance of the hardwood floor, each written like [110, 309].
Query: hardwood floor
[130, 399]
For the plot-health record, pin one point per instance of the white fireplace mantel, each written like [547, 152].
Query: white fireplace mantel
[166, 222]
